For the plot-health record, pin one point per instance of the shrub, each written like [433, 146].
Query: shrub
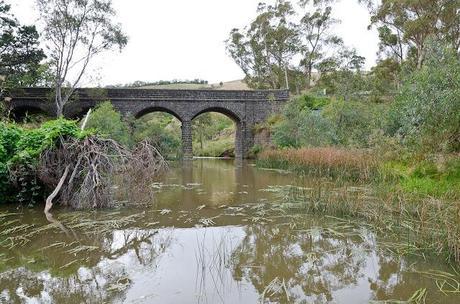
[303, 126]
[426, 113]
[354, 122]
[20, 150]
[162, 130]
[109, 123]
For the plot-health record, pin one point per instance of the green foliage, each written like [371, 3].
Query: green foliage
[341, 75]
[20, 150]
[310, 121]
[405, 27]
[353, 122]
[264, 48]
[426, 113]
[421, 178]
[20, 54]
[109, 123]
[384, 79]
[213, 135]
[219, 147]
[162, 130]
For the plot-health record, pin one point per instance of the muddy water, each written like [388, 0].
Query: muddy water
[214, 234]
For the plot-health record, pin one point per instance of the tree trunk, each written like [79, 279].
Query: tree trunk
[58, 100]
[49, 200]
[421, 57]
[309, 71]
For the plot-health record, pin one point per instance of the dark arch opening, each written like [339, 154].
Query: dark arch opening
[29, 114]
[216, 133]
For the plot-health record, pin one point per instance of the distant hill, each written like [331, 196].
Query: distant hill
[229, 85]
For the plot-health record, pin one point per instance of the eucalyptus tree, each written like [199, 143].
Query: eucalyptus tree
[316, 31]
[405, 26]
[76, 31]
[264, 49]
[20, 53]
[342, 74]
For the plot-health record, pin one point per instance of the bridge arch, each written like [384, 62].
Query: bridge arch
[221, 110]
[237, 120]
[155, 109]
[20, 112]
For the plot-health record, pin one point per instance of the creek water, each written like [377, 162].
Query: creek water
[213, 234]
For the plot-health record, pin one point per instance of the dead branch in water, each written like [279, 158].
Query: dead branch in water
[94, 165]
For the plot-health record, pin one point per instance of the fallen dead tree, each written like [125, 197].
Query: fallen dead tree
[95, 172]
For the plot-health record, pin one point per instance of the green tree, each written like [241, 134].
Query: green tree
[20, 54]
[303, 125]
[426, 113]
[265, 48]
[109, 123]
[202, 128]
[405, 26]
[76, 32]
[353, 122]
[316, 30]
[384, 80]
[342, 75]
[162, 130]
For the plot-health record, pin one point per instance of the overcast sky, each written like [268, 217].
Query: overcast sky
[184, 39]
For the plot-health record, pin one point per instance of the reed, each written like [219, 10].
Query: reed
[427, 226]
[331, 162]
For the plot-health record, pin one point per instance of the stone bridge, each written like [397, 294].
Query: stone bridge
[245, 108]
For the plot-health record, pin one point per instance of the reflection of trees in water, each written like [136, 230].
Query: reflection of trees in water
[103, 275]
[312, 265]
[86, 286]
[398, 279]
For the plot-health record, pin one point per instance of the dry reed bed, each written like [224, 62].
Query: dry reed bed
[328, 161]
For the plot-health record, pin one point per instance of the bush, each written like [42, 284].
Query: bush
[162, 130]
[337, 122]
[20, 150]
[353, 122]
[426, 113]
[109, 123]
[302, 125]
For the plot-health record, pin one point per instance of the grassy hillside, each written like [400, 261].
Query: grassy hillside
[229, 85]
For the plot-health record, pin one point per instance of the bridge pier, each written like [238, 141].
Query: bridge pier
[239, 141]
[187, 146]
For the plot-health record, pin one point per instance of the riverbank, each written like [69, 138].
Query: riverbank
[418, 199]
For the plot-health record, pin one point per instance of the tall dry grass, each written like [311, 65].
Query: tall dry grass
[328, 161]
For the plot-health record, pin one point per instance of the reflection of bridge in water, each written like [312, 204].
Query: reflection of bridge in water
[245, 108]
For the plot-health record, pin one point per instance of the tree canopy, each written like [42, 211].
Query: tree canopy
[76, 31]
[20, 52]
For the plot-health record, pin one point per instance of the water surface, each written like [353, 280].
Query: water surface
[214, 234]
